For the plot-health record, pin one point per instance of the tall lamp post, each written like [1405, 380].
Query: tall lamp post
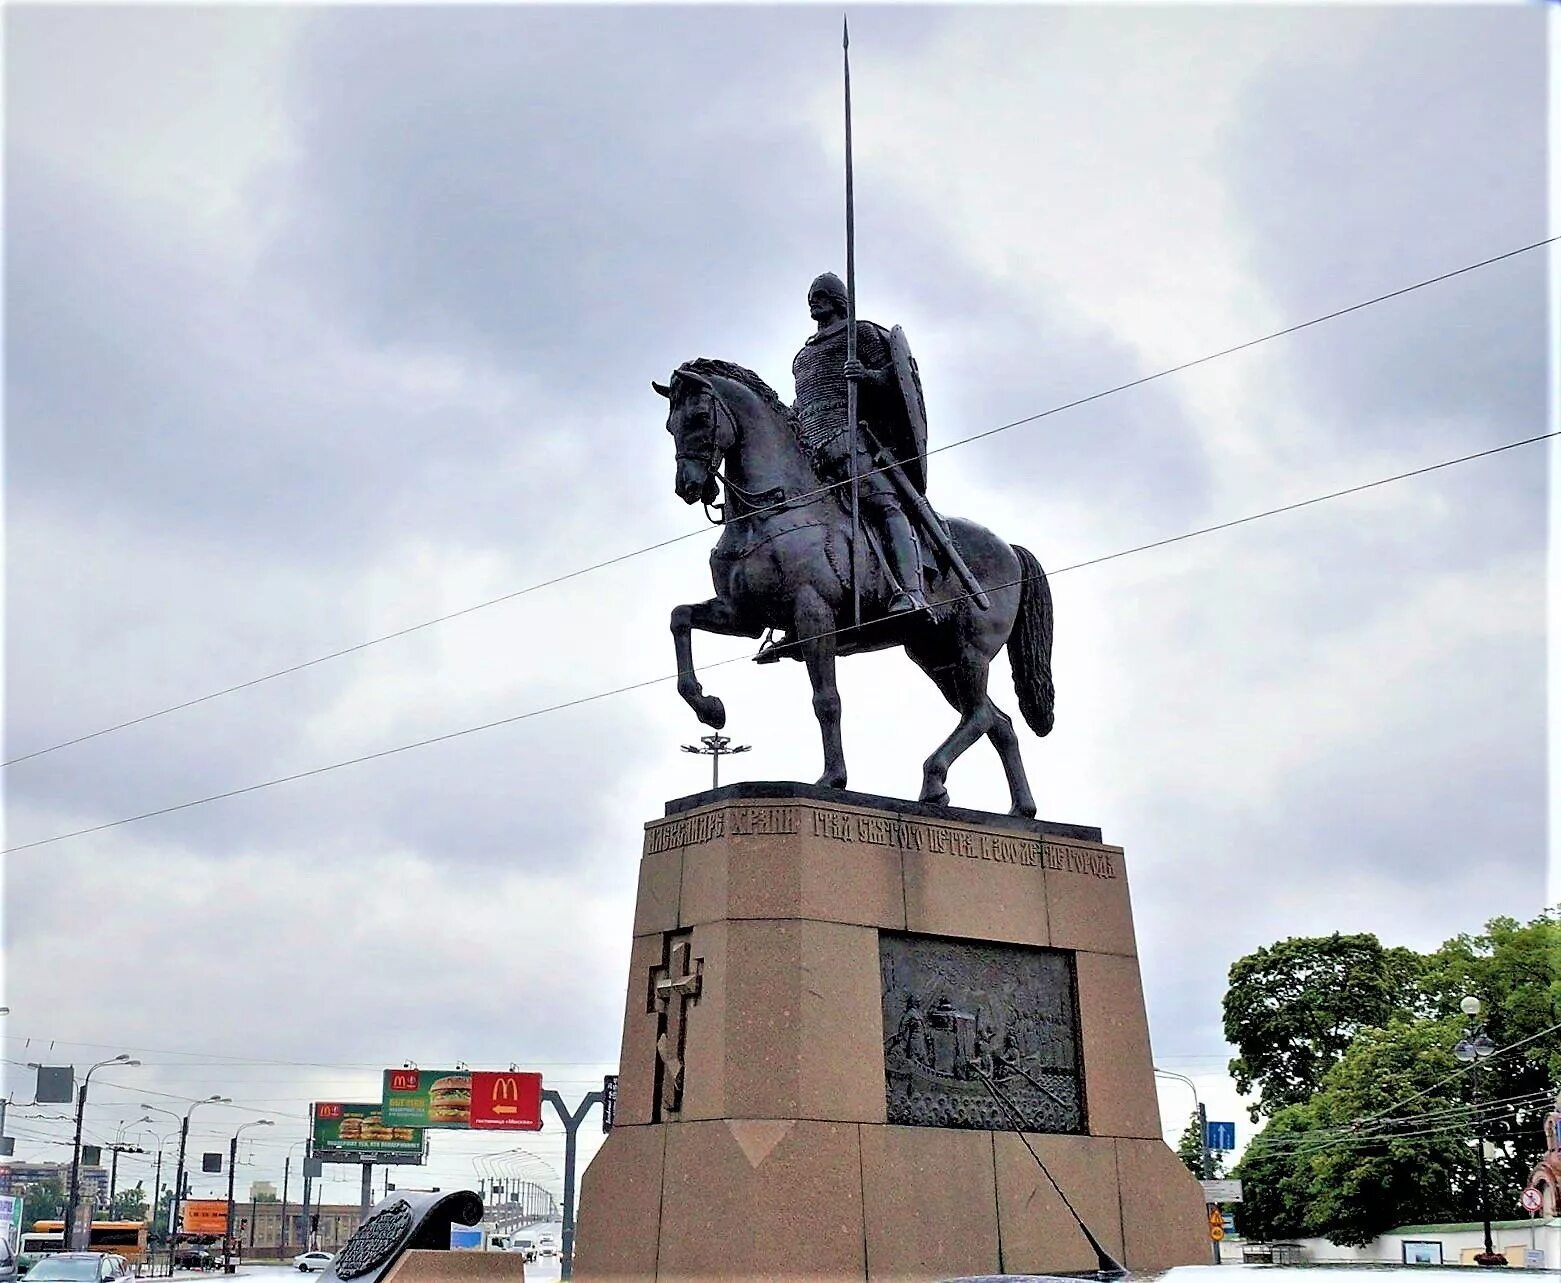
[178, 1176]
[75, 1155]
[1201, 1113]
[287, 1172]
[1473, 1049]
[227, 1239]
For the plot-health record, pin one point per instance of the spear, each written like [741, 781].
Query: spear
[851, 415]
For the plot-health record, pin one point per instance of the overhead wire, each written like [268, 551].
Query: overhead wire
[580, 700]
[619, 558]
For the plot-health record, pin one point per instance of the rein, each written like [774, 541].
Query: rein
[773, 499]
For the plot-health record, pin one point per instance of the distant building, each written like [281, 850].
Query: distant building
[258, 1227]
[262, 1191]
[94, 1180]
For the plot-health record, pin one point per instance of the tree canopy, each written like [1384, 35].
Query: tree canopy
[1371, 1118]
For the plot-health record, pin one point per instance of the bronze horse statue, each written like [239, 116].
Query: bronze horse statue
[783, 562]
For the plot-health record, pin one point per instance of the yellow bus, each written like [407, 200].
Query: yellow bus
[125, 1238]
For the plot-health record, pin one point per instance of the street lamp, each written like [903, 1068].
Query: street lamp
[75, 1155]
[157, 1179]
[178, 1175]
[1473, 1049]
[1201, 1113]
[227, 1241]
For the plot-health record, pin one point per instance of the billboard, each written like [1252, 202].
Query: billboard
[358, 1133]
[11, 1219]
[205, 1216]
[479, 1099]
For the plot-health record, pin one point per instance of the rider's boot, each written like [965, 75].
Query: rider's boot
[904, 564]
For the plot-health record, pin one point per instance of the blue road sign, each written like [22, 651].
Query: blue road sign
[1220, 1136]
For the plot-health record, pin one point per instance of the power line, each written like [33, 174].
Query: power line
[822, 490]
[667, 677]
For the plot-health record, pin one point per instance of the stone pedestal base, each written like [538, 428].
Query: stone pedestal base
[797, 1002]
[422, 1265]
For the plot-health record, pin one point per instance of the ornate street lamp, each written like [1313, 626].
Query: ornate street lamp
[1473, 1049]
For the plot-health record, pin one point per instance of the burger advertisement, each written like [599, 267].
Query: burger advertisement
[478, 1099]
[358, 1133]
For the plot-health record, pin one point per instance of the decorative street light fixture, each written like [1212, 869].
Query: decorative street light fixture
[1474, 1048]
[71, 1243]
[715, 748]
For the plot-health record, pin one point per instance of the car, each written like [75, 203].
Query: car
[526, 1245]
[9, 1271]
[308, 1262]
[546, 1245]
[194, 1256]
[81, 1267]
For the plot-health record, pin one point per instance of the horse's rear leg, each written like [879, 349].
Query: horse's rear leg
[814, 630]
[1007, 745]
[713, 616]
[964, 685]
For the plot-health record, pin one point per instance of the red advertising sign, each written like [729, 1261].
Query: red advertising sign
[506, 1102]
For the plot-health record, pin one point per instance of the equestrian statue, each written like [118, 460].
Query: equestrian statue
[828, 540]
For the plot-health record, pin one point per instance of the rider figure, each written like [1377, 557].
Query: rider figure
[821, 370]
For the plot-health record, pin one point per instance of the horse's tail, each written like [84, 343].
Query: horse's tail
[1030, 645]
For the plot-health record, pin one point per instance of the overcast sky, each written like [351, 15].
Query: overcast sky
[324, 322]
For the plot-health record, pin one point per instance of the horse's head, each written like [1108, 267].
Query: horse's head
[701, 434]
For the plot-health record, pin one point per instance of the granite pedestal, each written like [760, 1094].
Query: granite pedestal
[846, 1016]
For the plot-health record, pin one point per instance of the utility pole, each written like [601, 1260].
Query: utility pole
[716, 747]
[281, 1233]
[571, 1122]
[308, 1184]
[157, 1188]
[366, 1197]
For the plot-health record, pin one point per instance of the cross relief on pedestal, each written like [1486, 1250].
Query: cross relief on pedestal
[673, 985]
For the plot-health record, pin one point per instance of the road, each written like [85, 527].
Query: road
[269, 1272]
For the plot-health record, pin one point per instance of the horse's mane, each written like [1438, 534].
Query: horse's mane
[731, 370]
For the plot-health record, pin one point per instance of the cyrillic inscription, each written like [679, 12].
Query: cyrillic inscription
[883, 830]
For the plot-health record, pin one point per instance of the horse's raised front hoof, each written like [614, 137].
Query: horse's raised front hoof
[711, 711]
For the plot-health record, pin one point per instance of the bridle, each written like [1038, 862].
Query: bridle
[711, 462]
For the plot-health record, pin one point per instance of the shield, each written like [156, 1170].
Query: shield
[908, 435]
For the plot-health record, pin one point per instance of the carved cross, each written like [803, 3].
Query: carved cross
[674, 985]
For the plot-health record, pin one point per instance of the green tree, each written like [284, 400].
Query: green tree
[128, 1205]
[1386, 1137]
[1514, 969]
[1384, 1165]
[43, 1200]
[1291, 1010]
[1276, 1177]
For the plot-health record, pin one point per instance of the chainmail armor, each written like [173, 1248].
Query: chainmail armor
[821, 382]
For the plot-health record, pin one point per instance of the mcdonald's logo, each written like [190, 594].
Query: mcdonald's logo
[505, 1101]
[506, 1090]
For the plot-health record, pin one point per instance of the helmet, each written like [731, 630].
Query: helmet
[829, 284]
